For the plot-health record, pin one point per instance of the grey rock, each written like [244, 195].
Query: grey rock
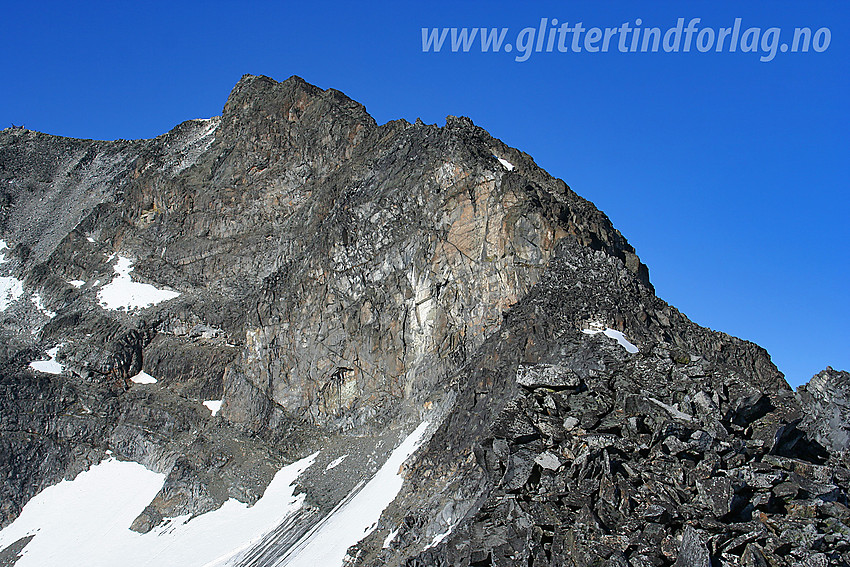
[693, 552]
[546, 376]
[548, 460]
[826, 399]
[754, 557]
[719, 494]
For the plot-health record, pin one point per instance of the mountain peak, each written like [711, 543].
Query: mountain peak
[264, 115]
[288, 99]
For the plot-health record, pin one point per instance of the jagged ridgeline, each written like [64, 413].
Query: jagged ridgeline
[291, 336]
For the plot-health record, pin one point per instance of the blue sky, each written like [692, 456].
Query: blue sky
[729, 175]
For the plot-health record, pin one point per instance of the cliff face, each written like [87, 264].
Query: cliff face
[335, 283]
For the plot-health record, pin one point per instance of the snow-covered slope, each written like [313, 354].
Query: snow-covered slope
[85, 522]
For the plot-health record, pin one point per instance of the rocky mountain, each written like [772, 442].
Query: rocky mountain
[311, 339]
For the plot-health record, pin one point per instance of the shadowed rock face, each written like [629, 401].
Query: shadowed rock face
[340, 282]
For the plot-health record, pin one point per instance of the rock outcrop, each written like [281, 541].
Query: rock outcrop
[334, 283]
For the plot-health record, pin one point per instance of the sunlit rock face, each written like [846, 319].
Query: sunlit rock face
[293, 296]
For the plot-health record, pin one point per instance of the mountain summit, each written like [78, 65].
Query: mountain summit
[291, 336]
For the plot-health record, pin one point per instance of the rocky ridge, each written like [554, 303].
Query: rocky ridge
[342, 281]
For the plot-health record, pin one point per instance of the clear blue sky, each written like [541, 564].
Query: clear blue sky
[729, 175]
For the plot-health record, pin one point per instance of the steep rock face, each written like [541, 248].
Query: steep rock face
[611, 457]
[334, 283]
[390, 251]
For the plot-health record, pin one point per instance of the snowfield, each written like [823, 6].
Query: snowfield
[85, 522]
[356, 516]
[123, 293]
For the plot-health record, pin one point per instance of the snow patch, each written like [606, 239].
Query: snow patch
[617, 335]
[39, 304]
[505, 163]
[77, 283]
[86, 521]
[143, 378]
[11, 289]
[438, 538]
[356, 516]
[47, 366]
[213, 406]
[335, 462]
[123, 293]
[3, 246]
[389, 539]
